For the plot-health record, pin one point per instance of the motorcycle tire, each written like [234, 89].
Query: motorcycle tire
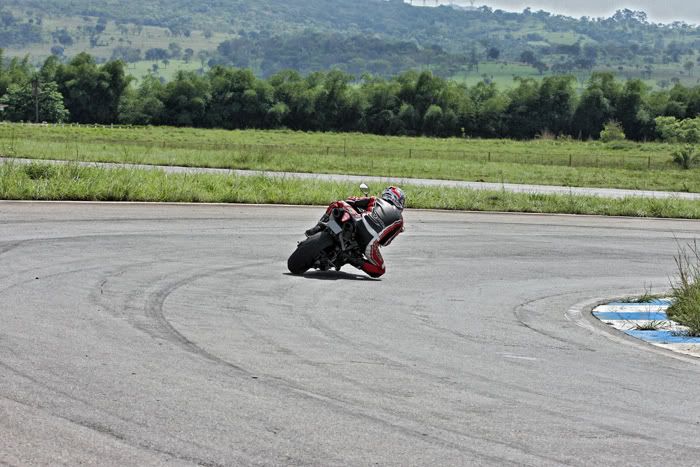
[307, 252]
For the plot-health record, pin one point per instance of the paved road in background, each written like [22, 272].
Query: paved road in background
[383, 181]
[153, 334]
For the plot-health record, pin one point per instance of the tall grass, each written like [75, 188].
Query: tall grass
[39, 181]
[686, 291]
[548, 162]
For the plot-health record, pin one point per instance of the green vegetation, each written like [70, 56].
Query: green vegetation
[72, 182]
[679, 131]
[373, 36]
[685, 157]
[647, 297]
[23, 106]
[651, 325]
[593, 164]
[409, 104]
[686, 292]
[612, 131]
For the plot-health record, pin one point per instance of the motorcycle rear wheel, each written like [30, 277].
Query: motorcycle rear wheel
[307, 252]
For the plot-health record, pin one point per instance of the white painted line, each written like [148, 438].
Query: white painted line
[626, 325]
[631, 308]
[520, 357]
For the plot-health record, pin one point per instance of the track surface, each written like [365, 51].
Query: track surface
[148, 334]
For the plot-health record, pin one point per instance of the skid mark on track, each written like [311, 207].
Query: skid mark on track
[6, 247]
[544, 399]
[348, 406]
[521, 310]
[154, 308]
[36, 271]
[100, 414]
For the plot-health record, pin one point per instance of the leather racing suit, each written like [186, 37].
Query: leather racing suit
[378, 223]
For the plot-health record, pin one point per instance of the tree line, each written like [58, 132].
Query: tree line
[311, 51]
[412, 103]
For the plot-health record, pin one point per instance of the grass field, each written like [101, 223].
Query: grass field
[140, 69]
[502, 74]
[139, 37]
[547, 162]
[39, 181]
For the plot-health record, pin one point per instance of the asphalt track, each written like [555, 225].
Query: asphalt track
[171, 334]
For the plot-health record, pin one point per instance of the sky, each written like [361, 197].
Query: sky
[664, 11]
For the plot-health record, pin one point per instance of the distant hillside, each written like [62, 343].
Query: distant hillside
[376, 36]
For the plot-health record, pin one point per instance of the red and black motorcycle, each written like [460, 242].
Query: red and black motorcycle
[334, 246]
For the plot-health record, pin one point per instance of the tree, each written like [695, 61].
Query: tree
[689, 65]
[101, 25]
[22, 103]
[473, 59]
[423, 92]
[49, 69]
[234, 99]
[597, 105]
[382, 108]
[485, 116]
[493, 53]
[63, 37]
[276, 115]
[556, 103]
[127, 54]
[522, 114]
[528, 57]
[156, 54]
[631, 111]
[337, 105]
[174, 51]
[409, 118]
[92, 93]
[432, 121]
[185, 100]
[203, 56]
[187, 56]
[299, 95]
[143, 106]
[685, 131]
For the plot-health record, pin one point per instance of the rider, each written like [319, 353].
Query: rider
[379, 221]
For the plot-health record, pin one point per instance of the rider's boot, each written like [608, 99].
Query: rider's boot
[317, 228]
[314, 230]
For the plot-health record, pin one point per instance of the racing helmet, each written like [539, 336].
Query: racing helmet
[395, 196]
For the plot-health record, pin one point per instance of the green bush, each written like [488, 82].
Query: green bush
[685, 157]
[612, 131]
[673, 130]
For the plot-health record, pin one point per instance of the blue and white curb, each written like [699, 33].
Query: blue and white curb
[633, 318]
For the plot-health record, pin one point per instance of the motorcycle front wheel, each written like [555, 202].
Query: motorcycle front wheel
[307, 252]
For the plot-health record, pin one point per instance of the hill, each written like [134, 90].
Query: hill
[376, 36]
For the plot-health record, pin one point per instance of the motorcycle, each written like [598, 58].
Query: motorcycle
[331, 248]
